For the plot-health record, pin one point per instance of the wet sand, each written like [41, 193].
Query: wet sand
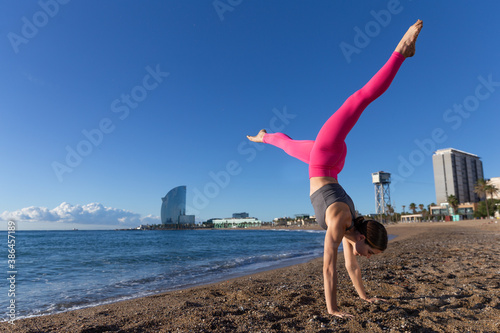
[435, 277]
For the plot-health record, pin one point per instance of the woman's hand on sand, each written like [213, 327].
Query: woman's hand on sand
[340, 314]
[374, 300]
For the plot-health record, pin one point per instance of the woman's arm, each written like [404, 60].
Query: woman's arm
[352, 266]
[330, 272]
[333, 238]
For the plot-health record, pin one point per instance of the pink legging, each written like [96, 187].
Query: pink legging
[326, 155]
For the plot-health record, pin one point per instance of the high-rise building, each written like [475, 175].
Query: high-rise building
[173, 207]
[456, 173]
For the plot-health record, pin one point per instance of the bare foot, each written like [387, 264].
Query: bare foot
[258, 137]
[407, 44]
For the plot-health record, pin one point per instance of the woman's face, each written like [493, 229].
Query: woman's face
[365, 250]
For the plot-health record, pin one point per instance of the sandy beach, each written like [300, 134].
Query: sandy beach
[435, 277]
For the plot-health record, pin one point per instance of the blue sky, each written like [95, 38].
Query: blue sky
[155, 94]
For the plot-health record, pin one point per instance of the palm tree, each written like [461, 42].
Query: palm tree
[413, 207]
[390, 211]
[429, 210]
[421, 207]
[492, 190]
[481, 189]
[453, 202]
[404, 209]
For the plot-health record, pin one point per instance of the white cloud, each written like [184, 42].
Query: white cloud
[93, 213]
[150, 219]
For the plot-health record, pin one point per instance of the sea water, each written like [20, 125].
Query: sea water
[59, 271]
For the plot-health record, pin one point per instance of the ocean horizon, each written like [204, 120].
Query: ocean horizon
[64, 270]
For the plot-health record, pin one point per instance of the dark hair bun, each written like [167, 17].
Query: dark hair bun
[374, 232]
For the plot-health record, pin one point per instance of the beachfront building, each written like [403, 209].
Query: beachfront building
[495, 181]
[302, 219]
[456, 173]
[439, 211]
[298, 220]
[173, 208]
[444, 212]
[248, 222]
[411, 218]
[240, 215]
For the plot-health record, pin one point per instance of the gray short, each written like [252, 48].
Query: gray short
[327, 195]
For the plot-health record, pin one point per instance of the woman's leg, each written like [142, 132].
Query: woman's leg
[336, 128]
[325, 157]
[328, 153]
[296, 148]
[300, 149]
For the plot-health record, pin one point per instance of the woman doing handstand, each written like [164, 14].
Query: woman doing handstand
[334, 209]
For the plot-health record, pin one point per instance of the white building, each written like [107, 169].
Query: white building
[237, 222]
[495, 181]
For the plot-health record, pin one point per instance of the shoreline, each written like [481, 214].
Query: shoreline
[237, 302]
[234, 276]
[283, 263]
